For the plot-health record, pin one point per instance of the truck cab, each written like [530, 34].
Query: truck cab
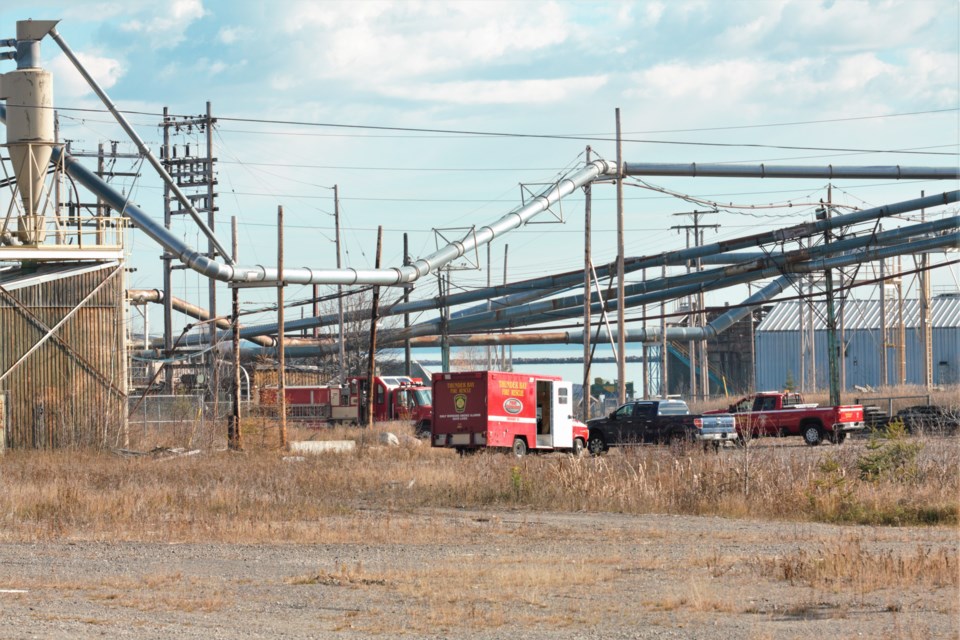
[394, 398]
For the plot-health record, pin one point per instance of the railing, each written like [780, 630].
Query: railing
[71, 233]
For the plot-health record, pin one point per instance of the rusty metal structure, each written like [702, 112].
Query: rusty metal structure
[63, 363]
[62, 359]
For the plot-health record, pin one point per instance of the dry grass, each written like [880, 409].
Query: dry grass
[264, 495]
[846, 565]
[485, 590]
[148, 592]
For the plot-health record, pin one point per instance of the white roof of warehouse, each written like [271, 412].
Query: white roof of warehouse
[864, 314]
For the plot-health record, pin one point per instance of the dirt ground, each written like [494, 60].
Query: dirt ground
[513, 574]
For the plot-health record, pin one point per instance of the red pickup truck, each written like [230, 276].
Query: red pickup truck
[785, 414]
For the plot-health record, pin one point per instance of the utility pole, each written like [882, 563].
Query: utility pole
[803, 336]
[645, 349]
[813, 329]
[832, 351]
[234, 436]
[901, 329]
[281, 343]
[508, 361]
[489, 305]
[209, 177]
[664, 346]
[444, 318]
[695, 304]
[407, 365]
[336, 227]
[702, 322]
[925, 334]
[194, 177]
[167, 269]
[587, 224]
[884, 378]
[374, 314]
[621, 324]
[753, 354]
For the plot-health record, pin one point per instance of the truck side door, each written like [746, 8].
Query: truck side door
[620, 426]
[645, 419]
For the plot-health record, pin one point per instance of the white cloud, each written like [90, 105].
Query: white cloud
[847, 25]
[200, 68]
[744, 90]
[231, 35]
[68, 83]
[385, 41]
[499, 91]
[652, 12]
[168, 29]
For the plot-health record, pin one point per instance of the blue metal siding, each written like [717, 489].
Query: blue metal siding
[778, 348]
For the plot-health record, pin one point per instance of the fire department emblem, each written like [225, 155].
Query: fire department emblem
[460, 402]
[512, 405]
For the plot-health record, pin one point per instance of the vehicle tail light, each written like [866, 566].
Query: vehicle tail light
[698, 423]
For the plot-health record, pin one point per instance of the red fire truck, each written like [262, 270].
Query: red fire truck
[520, 411]
[394, 398]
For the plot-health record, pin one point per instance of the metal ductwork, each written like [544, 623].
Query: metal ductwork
[829, 172]
[28, 92]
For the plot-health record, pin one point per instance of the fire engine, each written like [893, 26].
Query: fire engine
[521, 412]
[393, 398]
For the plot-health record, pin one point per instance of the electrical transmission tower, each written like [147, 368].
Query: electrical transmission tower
[187, 155]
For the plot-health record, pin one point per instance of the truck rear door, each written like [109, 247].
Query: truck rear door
[561, 413]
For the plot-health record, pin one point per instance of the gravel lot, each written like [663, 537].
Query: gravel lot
[511, 574]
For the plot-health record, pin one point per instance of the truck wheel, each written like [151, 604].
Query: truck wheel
[837, 437]
[812, 435]
[519, 447]
[596, 445]
[577, 447]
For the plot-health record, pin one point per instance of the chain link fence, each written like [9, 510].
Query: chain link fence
[188, 421]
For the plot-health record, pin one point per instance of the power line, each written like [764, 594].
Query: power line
[580, 137]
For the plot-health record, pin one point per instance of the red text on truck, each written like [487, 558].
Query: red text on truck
[519, 411]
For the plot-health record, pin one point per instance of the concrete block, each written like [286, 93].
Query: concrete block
[322, 446]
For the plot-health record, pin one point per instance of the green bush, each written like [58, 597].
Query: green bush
[889, 455]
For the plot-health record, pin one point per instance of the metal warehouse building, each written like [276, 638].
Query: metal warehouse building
[778, 348]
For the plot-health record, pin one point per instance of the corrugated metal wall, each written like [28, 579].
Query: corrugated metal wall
[71, 391]
[778, 344]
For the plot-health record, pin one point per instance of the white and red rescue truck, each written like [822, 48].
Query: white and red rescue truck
[519, 411]
[393, 398]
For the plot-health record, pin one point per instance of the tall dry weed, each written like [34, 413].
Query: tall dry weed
[267, 495]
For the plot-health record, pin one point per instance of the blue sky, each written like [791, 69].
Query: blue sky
[822, 74]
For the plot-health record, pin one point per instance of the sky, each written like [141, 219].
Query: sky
[365, 95]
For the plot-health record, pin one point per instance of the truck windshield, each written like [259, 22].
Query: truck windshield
[423, 397]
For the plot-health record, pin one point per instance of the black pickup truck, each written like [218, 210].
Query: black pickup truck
[657, 421]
